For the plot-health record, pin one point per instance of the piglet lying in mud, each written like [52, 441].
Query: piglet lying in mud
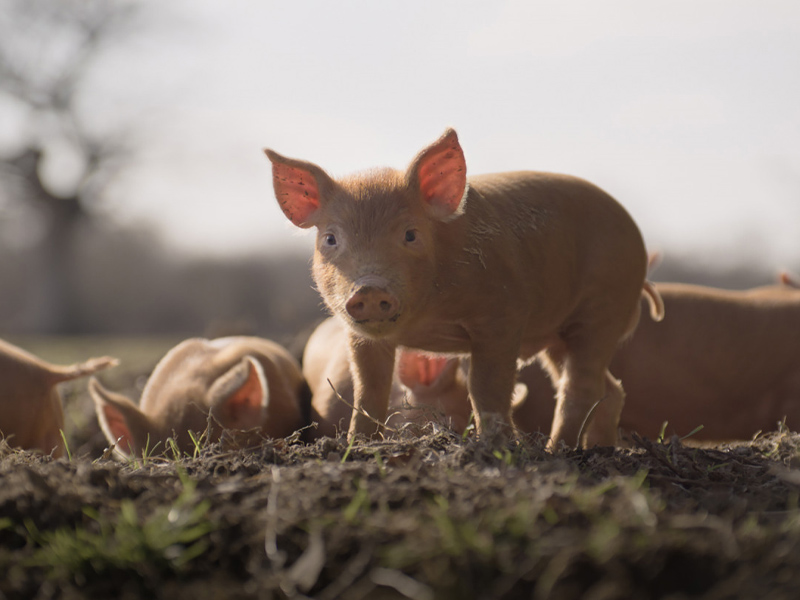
[727, 360]
[425, 388]
[31, 415]
[237, 383]
[499, 267]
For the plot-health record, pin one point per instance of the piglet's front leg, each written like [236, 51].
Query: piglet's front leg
[372, 367]
[492, 374]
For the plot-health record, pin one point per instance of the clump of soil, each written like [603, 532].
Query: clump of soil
[436, 516]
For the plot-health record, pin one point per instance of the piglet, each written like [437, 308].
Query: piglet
[424, 388]
[726, 360]
[31, 414]
[236, 383]
[500, 267]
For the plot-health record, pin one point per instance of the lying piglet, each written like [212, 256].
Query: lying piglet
[499, 267]
[31, 415]
[236, 383]
[727, 360]
[425, 388]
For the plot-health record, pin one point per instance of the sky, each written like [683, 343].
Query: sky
[687, 112]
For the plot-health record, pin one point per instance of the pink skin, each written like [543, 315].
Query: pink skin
[31, 414]
[727, 360]
[500, 267]
[424, 388]
[436, 387]
[237, 383]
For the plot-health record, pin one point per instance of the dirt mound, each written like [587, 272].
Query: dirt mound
[431, 517]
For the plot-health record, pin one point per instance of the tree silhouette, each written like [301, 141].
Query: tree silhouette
[47, 51]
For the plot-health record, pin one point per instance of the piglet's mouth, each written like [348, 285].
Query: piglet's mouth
[375, 327]
[377, 321]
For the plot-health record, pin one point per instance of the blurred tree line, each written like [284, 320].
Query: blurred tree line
[124, 282]
[64, 268]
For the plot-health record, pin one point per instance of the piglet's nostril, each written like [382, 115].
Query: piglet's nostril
[372, 304]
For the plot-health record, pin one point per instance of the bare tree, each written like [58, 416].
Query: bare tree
[47, 51]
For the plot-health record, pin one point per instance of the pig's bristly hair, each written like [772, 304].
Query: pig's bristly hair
[371, 182]
[378, 197]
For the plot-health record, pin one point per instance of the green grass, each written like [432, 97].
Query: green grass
[66, 444]
[167, 539]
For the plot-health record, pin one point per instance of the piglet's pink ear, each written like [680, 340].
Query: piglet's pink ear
[297, 188]
[440, 171]
[416, 369]
[116, 429]
[124, 425]
[239, 398]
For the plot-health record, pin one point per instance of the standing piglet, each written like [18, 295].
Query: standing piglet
[500, 266]
[31, 415]
[727, 360]
[425, 388]
[237, 383]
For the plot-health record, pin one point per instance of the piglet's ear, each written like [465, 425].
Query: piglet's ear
[124, 425]
[440, 171]
[297, 187]
[240, 397]
[415, 369]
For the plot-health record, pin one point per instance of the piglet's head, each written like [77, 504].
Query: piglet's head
[438, 174]
[377, 232]
[177, 401]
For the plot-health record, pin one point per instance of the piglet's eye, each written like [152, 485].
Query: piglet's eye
[411, 235]
[329, 239]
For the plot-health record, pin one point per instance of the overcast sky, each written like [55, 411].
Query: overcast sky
[687, 112]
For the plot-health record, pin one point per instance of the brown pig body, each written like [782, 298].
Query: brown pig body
[237, 383]
[425, 388]
[500, 267]
[31, 414]
[726, 360]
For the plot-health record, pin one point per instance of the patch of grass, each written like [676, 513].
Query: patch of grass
[379, 462]
[198, 442]
[662, 433]
[594, 521]
[469, 428]
[349, 448]
[359, 503]
[147, 455]
[177, 456]
[504, 456]
[692, 432]
[166, 540]
[66, 445]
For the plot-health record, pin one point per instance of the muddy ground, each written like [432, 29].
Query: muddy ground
[439, 516]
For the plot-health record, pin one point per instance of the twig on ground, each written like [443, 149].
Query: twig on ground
[361, 411]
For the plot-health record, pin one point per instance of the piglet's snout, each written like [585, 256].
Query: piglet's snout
[372, 303]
